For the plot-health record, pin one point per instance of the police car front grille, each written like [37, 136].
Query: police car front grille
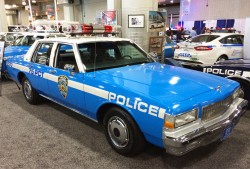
[216, 109]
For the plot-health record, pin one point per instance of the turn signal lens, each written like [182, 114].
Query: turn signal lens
[169, 125]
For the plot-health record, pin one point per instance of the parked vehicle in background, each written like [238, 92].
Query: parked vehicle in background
[238, 70]
[9, 37]
[115, 83]
[17, 28]
[209, 48]
[23, 43]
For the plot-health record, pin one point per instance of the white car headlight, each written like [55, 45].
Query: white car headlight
[238, 93]
[172, 122]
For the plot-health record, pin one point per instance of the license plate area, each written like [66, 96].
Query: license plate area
[227, 132]
[184, 54]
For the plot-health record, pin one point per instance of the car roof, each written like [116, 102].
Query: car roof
[79, 40]
[221, 34]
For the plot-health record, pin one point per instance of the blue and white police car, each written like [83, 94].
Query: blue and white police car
[209, 48]
[113, 82]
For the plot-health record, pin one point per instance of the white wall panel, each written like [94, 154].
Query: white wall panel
[217, 9]
[188, 25]
[247, 39]
[90, 9]
[239, 25]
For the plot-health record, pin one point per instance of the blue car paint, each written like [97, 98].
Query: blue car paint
[169, 48]
[13, 51]
[165, 88]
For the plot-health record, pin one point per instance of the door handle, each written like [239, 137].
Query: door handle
[52, 71]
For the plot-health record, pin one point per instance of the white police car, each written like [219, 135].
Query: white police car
[209, 48]
[113, 82]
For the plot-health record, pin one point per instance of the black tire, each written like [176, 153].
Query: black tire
[29, 92]
[122, 132]
[221, 58]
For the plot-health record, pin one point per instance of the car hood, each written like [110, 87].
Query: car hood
[162, 82]
[15, 50]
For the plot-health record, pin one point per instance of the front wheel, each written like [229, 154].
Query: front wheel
[122, 132]
[29, 93]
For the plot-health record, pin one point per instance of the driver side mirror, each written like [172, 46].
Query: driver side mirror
[70, 68]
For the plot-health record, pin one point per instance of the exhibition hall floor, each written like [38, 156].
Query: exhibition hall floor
[50, 136]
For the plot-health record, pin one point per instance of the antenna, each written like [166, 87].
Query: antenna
[95, 58]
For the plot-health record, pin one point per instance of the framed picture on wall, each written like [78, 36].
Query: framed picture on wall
[156, 44]
[136, 21]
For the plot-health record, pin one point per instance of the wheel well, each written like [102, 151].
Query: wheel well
[224, 55]
[20, 76]
[103, 110]
[245, 84]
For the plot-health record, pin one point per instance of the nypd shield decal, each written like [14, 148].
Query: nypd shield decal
[63, 85]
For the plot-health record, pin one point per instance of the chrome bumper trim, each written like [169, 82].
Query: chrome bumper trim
[203, 133]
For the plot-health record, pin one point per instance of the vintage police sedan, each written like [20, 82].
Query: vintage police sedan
[209, 48]
[113, 82]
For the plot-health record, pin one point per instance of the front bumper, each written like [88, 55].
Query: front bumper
[197, 134]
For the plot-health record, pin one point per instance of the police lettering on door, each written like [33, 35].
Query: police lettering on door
[137, 104]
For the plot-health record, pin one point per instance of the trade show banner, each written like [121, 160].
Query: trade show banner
[1, 63]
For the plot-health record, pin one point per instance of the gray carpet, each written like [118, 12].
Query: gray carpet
[50, 136]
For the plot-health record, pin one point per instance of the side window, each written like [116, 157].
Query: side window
[235, 39]
[42, 54]
[66, 58]
[240, 39]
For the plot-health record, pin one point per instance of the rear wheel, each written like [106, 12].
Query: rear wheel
[221, 58]
[29, 93]
[122, 132]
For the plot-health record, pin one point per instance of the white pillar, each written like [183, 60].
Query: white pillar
[137, 7]
[3, 18]
[247, 39]
[68, 10]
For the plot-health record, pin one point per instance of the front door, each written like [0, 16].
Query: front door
[65, 81]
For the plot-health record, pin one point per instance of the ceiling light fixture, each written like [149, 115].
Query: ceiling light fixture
[24, 3]
[33, 1]
[172, 1]
[14, 5]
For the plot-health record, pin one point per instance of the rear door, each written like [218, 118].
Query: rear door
[233, 46]
[39, 65]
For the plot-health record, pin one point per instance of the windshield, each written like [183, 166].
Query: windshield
[111, 54]
[204, 38]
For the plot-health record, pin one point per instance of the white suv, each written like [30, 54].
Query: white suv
[209, 48]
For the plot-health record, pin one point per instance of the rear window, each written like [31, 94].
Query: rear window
[204, 38]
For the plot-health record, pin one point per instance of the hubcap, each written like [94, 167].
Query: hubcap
[27, 89]
[118, 132]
